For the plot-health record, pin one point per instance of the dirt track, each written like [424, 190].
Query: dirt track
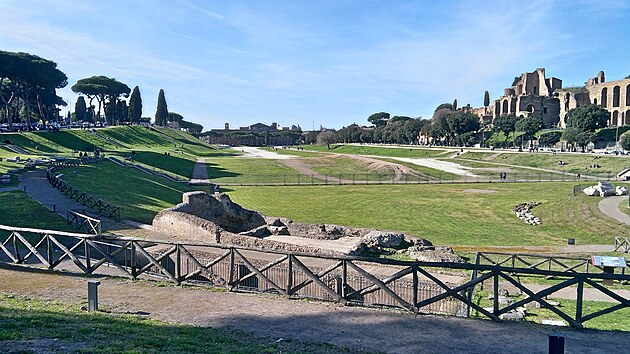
[276, 317]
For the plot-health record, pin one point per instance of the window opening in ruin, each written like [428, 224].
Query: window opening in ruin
[604, 97]
[505, 107]
[545, 110]
[628, 95]
[615, 118]
[616, 94]
[535, 89]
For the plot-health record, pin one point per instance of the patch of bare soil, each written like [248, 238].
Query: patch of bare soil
[495, 169]
[479, 191]
[304, 166]
[311, 321]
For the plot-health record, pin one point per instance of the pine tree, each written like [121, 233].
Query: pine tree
[161, 114]
[135, 105]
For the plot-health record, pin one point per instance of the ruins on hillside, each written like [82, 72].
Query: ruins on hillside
[534, 94]
[202, 217]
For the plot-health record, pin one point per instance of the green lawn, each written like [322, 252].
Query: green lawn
[18, 209]
[139, 195]
[575, 163]
[34, 142]
[236, 170]
[69, 329]
[444, 214]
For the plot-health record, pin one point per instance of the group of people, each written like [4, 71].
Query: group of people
[503, 176]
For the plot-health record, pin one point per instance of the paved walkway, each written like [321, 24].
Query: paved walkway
[200, 173]
[610, 207]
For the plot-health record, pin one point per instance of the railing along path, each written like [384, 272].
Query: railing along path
[413, 286]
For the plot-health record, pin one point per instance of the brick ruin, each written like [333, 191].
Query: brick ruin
[202, 217]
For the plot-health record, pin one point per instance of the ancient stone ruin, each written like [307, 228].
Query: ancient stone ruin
[202, 217]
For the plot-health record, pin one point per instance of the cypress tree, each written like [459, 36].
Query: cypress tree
[486, 99]
[455, 104]
[80, 109]
[135, 105]
[161, 114]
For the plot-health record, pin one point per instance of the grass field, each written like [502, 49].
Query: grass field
[453, 214]
[237, 170]
[139, 195]
[575, 163]
[18, 209]
[50, 326]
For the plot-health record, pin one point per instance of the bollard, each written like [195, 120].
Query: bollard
[25, 191]
[93, 295]
[54, 208]
[556, 343]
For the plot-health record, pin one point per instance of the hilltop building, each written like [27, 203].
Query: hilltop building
[533, 94]
[257, 134]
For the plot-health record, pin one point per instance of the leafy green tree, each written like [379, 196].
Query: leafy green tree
[486, 99]
[624, 140]
[529, 126]
[379, 119]
[448, 106]
[122, 111]
[327, 137]
[505, 124]
[29, 77]
[104, 89]
[577, 137]
[161, 114]
[549, 139]
[588, 118]
[80, 109]
[135, 105]
[461, 122]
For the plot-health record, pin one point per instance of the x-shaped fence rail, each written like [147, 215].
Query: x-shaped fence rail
[86, 199]
[622, 244]
[414, 286]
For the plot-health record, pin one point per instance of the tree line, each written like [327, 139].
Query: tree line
[28, 85]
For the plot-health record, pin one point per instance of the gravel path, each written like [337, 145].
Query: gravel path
[276, 317]
[610, 207]
[254, 152]
[445, 166]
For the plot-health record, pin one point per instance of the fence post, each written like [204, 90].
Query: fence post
[495, 291]
[344, 277]
[289, 274]
[88, 261]
[231, 272]
[49, 251]
[178, 264]
[415, 288]
[579, 300]
[133, 260]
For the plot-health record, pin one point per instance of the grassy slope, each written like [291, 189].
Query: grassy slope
[139, 195]
[444, 214]
[19, 210]
[70, 329]
[575, 163]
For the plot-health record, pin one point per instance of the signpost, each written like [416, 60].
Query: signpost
[608, 264]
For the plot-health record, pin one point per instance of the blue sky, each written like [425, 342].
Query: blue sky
[330, 63]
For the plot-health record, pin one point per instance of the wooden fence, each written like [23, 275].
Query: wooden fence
[414, 286]
[99, 206]
[80, 221]
[622, 244]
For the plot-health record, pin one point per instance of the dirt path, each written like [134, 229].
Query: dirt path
[610, 207]
[276, 317]
[398, 170]
[200, 173]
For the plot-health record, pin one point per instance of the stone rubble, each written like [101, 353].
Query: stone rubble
[523, 212]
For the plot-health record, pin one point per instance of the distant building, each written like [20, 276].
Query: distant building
[535, 95]
[258, 134]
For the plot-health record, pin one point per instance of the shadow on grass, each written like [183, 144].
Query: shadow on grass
[30, 324]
